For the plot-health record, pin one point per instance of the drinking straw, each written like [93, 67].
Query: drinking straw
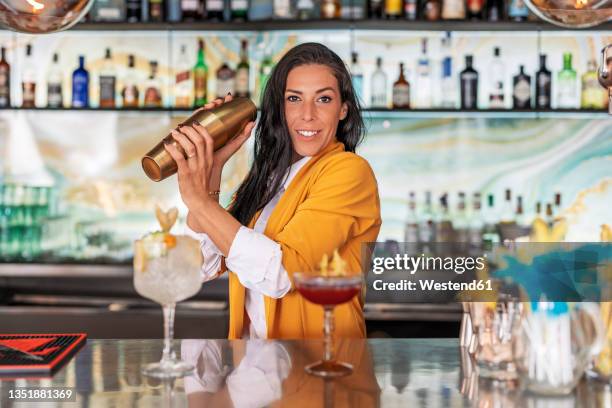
[549, 335]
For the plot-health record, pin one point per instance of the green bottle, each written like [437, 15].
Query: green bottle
[567, 95]
[594, 96]
[200, 76]
[264, 72]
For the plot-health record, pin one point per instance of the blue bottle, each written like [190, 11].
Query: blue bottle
[80, 85]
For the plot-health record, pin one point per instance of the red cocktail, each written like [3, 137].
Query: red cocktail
[329, 296]
[328, 291]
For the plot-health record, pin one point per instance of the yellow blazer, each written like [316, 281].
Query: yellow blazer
[331, 203]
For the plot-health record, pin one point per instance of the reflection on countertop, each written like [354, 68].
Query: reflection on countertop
[258, 373]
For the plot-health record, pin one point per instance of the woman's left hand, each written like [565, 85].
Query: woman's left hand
[194, 171]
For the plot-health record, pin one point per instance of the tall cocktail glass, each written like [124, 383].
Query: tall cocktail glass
[167, 270]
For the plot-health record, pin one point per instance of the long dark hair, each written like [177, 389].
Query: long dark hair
[273, 150]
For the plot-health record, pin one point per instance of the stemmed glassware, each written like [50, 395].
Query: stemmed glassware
[328, 291]
[167, 270]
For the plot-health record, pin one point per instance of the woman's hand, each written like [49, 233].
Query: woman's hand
[194, 172]
[200, 173]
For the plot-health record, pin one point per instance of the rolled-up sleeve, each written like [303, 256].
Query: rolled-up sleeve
[258, 262]
[212, 256]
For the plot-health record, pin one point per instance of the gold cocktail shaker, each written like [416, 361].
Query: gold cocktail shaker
[222, 123]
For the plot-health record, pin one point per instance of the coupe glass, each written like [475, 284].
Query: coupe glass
[328, 291]
[167, 273]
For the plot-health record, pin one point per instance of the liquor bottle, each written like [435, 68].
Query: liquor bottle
[593, 95]
[130, 92]
[444, 226]
[567, 89]
[520, 215]
[133, 10]
[423, 88]
[357, 77]
[507, 212]
[192, 10]
[453, 10]
[538, 212]
[355, 9]
[432, 9]
[476, 222]
[153, 95]
[226, 78]
[557, 207]
[173, 11]
[305, 10]
[393, 9]
[55, 80]
[108, 81]
[265, 69]
[460, 221]
[28, 82]
[379, 86]
[476, 9]
[411, 8]
[490, 234]
[239, 10]
[183, 86]
[495, 10]
[411, 227]
[80, 85]
[521, 95]
[517, 10]
[496, 81]
[549, 218]
[243, 88]
[401, 91]
[447, 84]
[214, 10]
[5, 80]
[543, 85]
[108, 10]
[330, 9]
[469, 85]
[200, 77]
[156, 10]
[376, 9]
[427, 232]
[283, 10]
[144, 11]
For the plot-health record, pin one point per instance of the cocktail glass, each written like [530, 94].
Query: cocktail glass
[328, 291]
[167, 271]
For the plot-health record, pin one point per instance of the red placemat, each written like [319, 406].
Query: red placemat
[37, 354]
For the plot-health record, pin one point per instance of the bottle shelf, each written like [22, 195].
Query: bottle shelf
[376, 113]
[305, 25]
[487, 113]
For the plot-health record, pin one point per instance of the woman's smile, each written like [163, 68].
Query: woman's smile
[308, 134]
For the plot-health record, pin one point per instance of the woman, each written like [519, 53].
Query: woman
[306, 194]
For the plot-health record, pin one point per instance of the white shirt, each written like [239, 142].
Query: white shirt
[255, 259]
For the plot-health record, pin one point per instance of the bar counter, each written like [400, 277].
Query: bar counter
[258, 373]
